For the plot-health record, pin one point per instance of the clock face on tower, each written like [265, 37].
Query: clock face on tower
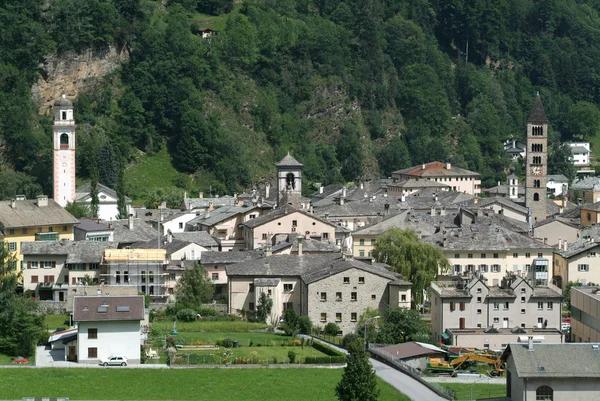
[536, 170]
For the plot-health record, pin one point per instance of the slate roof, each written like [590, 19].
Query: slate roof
[82, 193]
[108, 308]
[591, 206]
[76, 251]
[278, 213]
[141, 231]
[171, 247]
[537, 114]
[411, 349]
[288, 161]
[413, 184]
[579, 149]
[27, 213]
[569, 360]
[229, 257]
[308, 245]
[484, 237]
[266, 282]
[436, 169]
[201, 203]
[581, 245]
[92, 225]
[220, 214]
[587, 183]
[201, 238]
[558, 178]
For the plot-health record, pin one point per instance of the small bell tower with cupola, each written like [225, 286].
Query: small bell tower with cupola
[289, 182]
[64, 151]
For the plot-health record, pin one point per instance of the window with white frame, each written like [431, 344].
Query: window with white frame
[496, 305]
[540, 306]
[34, 265]
[495, 268]
[47, 265]
[527, 268]
[12, 246]
[288, 287]
[550, 305]
[457, 269]
[583, 268]
[483, 268]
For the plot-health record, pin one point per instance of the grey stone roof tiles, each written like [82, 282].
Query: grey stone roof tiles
[141, 231]
[537, 114]
[288, 161]
[573, 360]
[27, 213]
[201, 238]
[91, 225]
[436, 169]
[229, 257]
[76, 251]
[82, 192]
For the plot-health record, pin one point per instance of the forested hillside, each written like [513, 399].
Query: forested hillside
[354, 89]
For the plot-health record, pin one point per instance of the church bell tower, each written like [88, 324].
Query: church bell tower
[289, 182]
[536, 162]
[64, 151]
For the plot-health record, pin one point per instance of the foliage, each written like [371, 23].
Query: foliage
[147, 299]
[78, 210]
[348, 338]
[331, 329]
[292, 356]
[263, 307]
[291, 325]
[560, 161]
[186, 315]
[194, 288]
[418, 262]
[304, 325]
[400, 325]
[359, 381]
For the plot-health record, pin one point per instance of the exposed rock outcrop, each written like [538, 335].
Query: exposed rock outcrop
[71, 73]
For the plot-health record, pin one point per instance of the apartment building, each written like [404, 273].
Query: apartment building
[585, 314]
[458, 179]
[489, 249]
[578, 261]
[473, 313]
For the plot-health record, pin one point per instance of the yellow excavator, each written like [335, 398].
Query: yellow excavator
[494, 361]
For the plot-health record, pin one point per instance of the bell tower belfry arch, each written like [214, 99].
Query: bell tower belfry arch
[289, 181]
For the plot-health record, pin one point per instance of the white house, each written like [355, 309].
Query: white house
[107, 208]
[581, 153]
[107, 326]
[557, 184]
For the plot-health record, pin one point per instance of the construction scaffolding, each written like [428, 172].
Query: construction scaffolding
[144, 269]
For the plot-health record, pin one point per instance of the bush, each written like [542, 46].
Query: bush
[186, 315]
[332, 329]
[325, 349]
[304, 324]
[209, 312]
[292, 356]
[348, 338]
[227, 342]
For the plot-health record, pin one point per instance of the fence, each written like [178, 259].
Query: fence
[53, 307]
[378, 353]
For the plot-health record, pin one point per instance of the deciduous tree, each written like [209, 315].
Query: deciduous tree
[194, 288]
[264, 307]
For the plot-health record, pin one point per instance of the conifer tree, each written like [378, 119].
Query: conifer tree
[359, 382]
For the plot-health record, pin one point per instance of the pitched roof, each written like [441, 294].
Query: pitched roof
[82, 193]
[537, 114]
[214, 257]
[220, 214]
[108, 308]
[27, 213]
[411, 349]
[201, 203]
[201, 238]
[171, 247]
[141, 231]
[288, 161]
[76, 251]
[572, 360]
[579, 149]
[557, 178]
[436, 169]
[281, 212]
[92, 225]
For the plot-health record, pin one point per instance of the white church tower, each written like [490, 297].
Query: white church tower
[64, 151]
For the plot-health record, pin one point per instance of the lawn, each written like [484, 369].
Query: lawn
[180, 384]
[214, 22]
[480, 390]
[243, 338]
[7, 360]
[55, 321]
[208, 326]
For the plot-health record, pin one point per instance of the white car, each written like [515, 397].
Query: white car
[115, 360]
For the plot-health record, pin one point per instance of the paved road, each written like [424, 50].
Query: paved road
[45, 358]
[404, 383]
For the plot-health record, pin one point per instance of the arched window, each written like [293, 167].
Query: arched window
[64, 141]
[536, 197]
[537, 159]
[544, 393]
[536, 183]
[290, 181]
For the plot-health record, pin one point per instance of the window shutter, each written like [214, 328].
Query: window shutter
[74, 280]
[29, 265]
[53, 264]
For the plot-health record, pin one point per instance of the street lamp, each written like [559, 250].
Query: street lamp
[478, 380]
[367, 327]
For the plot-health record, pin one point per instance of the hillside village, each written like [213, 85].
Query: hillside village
[513, 252]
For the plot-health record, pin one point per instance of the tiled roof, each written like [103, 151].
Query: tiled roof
[573, 360]
[141, 231]
[92, 225]
[579, 246]
[436, 169]
[27, 213]
[82, 193]
[557, 178]
[201, 238]
[411, 349]
[76, 251]
[288, 161]
[414, 184]
[229, 257]
[220, 214]
[201, 203]
[108, 308]
[171, 247]
[537, 114]
[266, 282]
[579, 149]
[587, 183]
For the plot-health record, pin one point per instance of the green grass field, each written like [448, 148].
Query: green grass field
[214, 22]
[179, 384]
[208, 326]
[55, 321]
[243, 338]
[7, 360]
[480, 390]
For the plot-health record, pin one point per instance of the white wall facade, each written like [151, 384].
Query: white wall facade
[114, 338]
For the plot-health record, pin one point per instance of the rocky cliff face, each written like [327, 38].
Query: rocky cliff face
[72, 73]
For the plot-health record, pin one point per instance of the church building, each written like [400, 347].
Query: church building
[536, 162]
[64, 152]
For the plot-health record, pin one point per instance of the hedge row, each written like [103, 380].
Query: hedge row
[326, 350]
[325, 359]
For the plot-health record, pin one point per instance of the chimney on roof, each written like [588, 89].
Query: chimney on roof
[342, 201]
[445, 242]
[560, 244]
[344, 191]
[530, 343]
[169, 236]
[321, 188]
[130, 221]
[267, 190]
[402, 197]
[185, 195]
[211, 206]
[475, 200]
[163, 205]
[443, 211]
[326, 216]
[432, 211]
[311, 209]
[42, 200]
[566, 246]
[448, 166]
[13, 203]
[362, 186]
[300, 241]
[201, 195]
[234, 196]
[379, 217]
[423, 166]
[110, 226]
[459, 233]
[307, 235]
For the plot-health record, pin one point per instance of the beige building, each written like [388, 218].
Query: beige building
[585, 314]
[51, 268]
[553, 231]
[586, 190]
[327, 288]
[558, 372]
[458, 179]
[215, 264]
[472, 313]
[259, 232]
[489, 249]
[590, 214]
[224, 224]
[578, 262]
